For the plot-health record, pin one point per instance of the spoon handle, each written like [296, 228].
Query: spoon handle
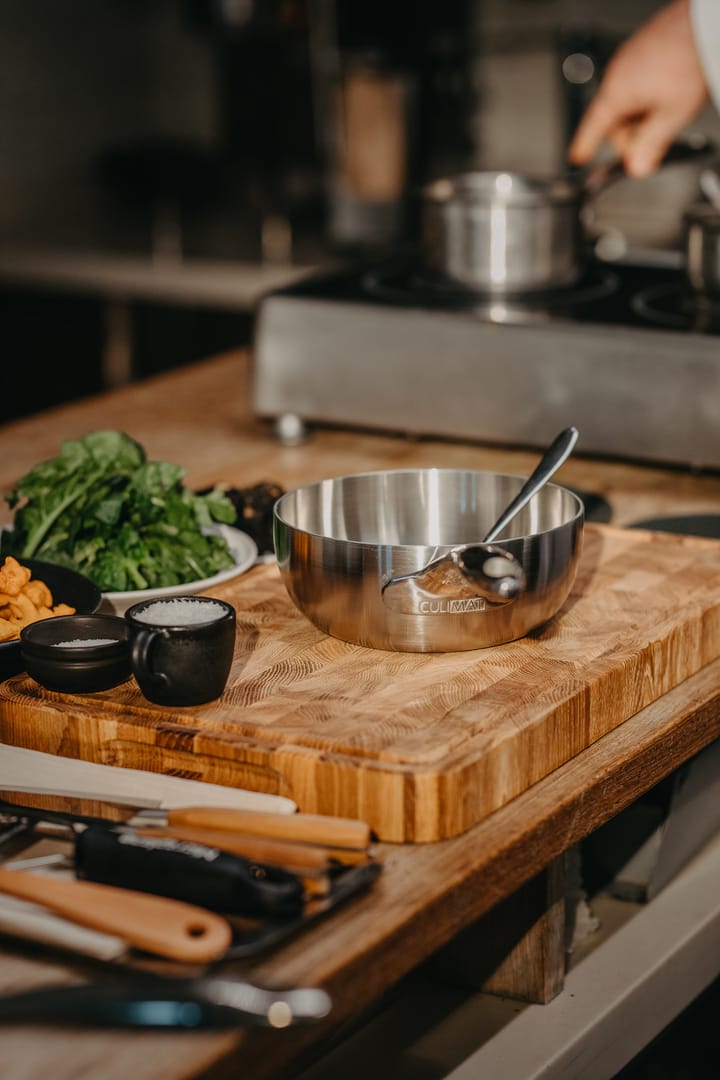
[558, 452]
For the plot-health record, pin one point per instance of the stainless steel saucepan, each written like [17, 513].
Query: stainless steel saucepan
[396, 559]
[504, 233]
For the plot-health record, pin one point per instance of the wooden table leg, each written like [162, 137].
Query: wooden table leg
[518, 948]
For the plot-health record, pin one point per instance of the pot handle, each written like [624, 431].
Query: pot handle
[471, 577]
[696, 147]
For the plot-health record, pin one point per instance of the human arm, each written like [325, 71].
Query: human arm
[653, 86]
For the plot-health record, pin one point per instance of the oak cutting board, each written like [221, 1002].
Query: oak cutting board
[420, 746]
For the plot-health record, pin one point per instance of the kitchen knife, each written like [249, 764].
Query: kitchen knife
[31, 922]
[193, 871]
[312, 862]
[33, 768]
[209, 1002]
[159, 925]
[307, 859]
[302, 828]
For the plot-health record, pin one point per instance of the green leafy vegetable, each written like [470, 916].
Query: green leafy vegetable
[102, 508]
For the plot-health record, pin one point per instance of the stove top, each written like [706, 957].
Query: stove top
[408, 286]
[621, 295]
[675, 306]
[629, 356]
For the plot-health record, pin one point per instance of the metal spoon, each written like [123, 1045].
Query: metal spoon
[558, 452]
[497, 576]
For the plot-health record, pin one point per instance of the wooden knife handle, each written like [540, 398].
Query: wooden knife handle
[165, 927]
[298, 858]
[305, 828]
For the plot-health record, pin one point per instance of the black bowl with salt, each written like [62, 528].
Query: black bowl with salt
[77, 654]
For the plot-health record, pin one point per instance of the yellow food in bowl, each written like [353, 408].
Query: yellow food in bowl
[24, 600]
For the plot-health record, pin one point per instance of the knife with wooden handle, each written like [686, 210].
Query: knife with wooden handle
[302, 828]
[296, 856]
[300, 858]
[325, 830]
[168, 928]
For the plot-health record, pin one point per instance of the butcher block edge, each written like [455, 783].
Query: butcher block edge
[420, 746]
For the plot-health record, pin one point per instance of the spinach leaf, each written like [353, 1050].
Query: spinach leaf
[102, 508]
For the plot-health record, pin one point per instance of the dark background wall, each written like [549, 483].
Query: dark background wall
[195, 129]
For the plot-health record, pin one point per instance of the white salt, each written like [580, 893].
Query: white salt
[180, 612]
[81, 642]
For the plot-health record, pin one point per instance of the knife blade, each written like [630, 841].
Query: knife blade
[26, 921]
[325, 830]
[165, 927]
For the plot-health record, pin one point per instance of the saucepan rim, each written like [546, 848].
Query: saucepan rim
[503, 186]
[320, 534]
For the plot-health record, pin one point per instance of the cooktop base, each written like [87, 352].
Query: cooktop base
[333, 352]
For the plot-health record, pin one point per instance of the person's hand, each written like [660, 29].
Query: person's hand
[653, 86]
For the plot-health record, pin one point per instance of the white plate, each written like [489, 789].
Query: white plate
[242, 548]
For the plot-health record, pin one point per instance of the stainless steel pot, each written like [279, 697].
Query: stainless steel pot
[394, 559]
[502, 233]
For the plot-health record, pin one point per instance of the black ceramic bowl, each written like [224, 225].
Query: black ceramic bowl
[77, 654]
[67, 587]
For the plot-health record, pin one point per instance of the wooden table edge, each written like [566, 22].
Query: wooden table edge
[429, 892]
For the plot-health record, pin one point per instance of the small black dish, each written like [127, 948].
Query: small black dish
[67, 587]
[77, 668]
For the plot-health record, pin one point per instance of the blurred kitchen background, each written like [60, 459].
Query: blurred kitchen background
[163, 163]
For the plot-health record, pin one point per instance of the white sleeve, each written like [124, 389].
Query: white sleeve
[705, 20]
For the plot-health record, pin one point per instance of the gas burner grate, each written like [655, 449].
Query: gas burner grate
[676, 307]
[412, 287]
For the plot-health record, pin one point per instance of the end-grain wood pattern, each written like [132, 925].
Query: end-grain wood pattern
[419, 746]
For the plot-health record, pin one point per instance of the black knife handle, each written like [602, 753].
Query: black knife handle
[186, 871]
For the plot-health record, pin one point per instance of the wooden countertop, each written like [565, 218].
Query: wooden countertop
[231, 285]
[200, 417]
